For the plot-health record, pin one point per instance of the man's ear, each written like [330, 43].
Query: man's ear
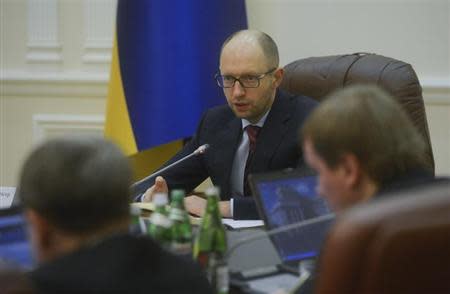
[352, 169]
[41, 233]
[278, 74]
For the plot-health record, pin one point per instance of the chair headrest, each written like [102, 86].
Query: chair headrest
[317, 77]
[398, 244]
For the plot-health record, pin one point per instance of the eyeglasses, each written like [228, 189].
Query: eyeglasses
[246, 81]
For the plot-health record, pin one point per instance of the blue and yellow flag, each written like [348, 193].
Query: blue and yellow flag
[164, 59]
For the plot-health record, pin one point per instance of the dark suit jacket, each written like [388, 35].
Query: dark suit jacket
[120, 264]
[410, 180]
[277, 148]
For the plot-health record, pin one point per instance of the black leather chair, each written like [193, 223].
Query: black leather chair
[316, 77]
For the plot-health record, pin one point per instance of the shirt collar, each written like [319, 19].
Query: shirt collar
[260, 123]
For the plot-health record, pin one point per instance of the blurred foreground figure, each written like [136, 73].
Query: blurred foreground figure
[13, 281]
[75, 195]
[363, 145]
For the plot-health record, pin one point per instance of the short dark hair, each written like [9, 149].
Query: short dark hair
[267, 44]
[366, 121]
[78, 184]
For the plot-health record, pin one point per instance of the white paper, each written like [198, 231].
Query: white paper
[239, 224]
[144, 205]
[6, 196]
[280, 283]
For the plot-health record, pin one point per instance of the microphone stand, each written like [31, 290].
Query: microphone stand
[200, 150]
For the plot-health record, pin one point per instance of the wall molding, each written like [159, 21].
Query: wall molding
[46, 126]
[97, 53]
[76, 84]
[436, 91]
[43, 45]
[99, 27]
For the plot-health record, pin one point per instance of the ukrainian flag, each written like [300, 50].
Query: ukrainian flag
[164, 59]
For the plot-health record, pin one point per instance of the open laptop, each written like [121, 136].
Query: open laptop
[15, 249]
[283, 198]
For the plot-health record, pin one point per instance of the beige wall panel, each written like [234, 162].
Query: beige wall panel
[415, 31]
[439, 123]
[16, 126]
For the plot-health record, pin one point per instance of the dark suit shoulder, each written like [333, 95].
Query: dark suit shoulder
[300, 101]
[217, 118]
[296, 107]
[220, 112]
[123, 263]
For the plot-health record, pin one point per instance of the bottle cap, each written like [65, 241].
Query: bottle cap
[212, 191]
[160, 199]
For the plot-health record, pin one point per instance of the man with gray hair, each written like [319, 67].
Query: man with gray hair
[256, 132]
[75, 193]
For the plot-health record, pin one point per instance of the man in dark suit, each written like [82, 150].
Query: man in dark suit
[363, 146]
[256, 132]
[76, 198]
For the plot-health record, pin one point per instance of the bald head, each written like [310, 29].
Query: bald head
[254, 39]
[250, 55]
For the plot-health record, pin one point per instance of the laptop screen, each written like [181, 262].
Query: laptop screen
[15, 250]
[285, 198]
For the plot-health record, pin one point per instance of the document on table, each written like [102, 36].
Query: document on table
[240, 224]
[6, 196]
[231, 223]
[234, 224]
[144, 205]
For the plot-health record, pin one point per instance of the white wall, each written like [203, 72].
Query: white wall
[414, 31]
[54, 59]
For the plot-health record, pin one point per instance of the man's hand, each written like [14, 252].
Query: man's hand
[160, 186]
[196, 205]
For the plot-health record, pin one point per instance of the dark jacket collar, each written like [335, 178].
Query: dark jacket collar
[410, 179]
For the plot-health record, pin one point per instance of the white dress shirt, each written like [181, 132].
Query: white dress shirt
[240, 158]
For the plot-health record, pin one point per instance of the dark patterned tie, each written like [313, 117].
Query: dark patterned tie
[252, 132]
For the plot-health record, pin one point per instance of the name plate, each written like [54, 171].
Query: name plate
[6, 196]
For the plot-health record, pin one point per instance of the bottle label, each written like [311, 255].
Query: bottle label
[181, 248]
[222, 279]
[160, 220]
[176, 214]
[216, 271]
[203, 259]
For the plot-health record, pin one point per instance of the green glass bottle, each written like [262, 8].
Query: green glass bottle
[181, 225]
[160, 224]
[211, 244]
[135, 225]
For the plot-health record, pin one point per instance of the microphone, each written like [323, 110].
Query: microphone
[200, 150]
